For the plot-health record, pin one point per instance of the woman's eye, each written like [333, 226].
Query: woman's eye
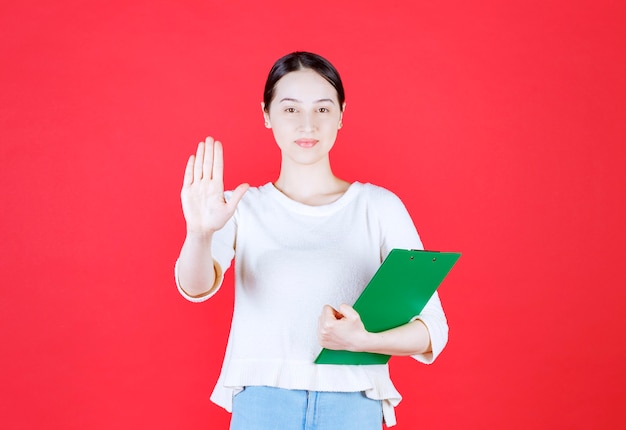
[323, 110]
[290, 110]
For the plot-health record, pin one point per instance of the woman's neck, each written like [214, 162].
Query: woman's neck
[313, 185]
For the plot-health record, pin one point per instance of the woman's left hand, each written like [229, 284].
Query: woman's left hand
[341, 329]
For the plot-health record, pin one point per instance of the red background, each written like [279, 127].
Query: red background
[500, 124]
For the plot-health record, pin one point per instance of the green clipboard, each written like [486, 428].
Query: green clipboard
[397, 292]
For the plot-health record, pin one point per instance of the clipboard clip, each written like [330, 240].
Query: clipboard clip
[424, 250]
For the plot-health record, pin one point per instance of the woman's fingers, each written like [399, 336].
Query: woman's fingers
[237, 195]
[208, 157]
[199, 161]
[348, 311]
[188, 178]
[207, 163]
[218, 162]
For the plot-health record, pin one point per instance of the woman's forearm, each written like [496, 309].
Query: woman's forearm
[196, 270]
[410, 339]
[343, 329]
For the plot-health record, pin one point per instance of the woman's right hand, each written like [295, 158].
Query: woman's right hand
[202, 196]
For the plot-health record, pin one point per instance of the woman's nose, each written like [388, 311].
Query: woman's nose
[308, 122]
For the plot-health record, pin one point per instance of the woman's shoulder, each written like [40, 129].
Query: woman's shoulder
[257, 198]
[377, 192]
[381, 201]
[252, 192]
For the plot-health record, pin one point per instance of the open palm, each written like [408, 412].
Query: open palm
[202, 196]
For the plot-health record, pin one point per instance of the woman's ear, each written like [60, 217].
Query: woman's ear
[266, 116]
[343, 108]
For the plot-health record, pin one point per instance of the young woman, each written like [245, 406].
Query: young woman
[304, 248]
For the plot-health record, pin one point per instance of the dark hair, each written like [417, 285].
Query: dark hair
[298, 61]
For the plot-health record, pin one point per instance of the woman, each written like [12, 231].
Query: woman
[305, 246]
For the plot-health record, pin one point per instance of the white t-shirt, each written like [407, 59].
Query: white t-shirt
[290, 260]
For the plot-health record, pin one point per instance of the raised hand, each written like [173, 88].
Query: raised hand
[202, 196]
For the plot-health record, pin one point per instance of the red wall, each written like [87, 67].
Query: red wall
[500, 124]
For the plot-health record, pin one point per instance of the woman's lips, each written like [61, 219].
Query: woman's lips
[306, 143]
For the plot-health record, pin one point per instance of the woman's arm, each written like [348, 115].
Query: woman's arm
[410, 339]
[194, 276]
[343, 330]
[423, 338]
[206, 211]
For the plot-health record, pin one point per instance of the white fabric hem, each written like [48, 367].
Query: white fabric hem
[373, 381]
[218, 283]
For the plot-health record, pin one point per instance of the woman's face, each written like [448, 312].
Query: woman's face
[304, 116]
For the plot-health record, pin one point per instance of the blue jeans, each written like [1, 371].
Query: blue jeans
[269, 408]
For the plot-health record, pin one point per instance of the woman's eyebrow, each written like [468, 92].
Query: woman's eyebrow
[289, 99]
